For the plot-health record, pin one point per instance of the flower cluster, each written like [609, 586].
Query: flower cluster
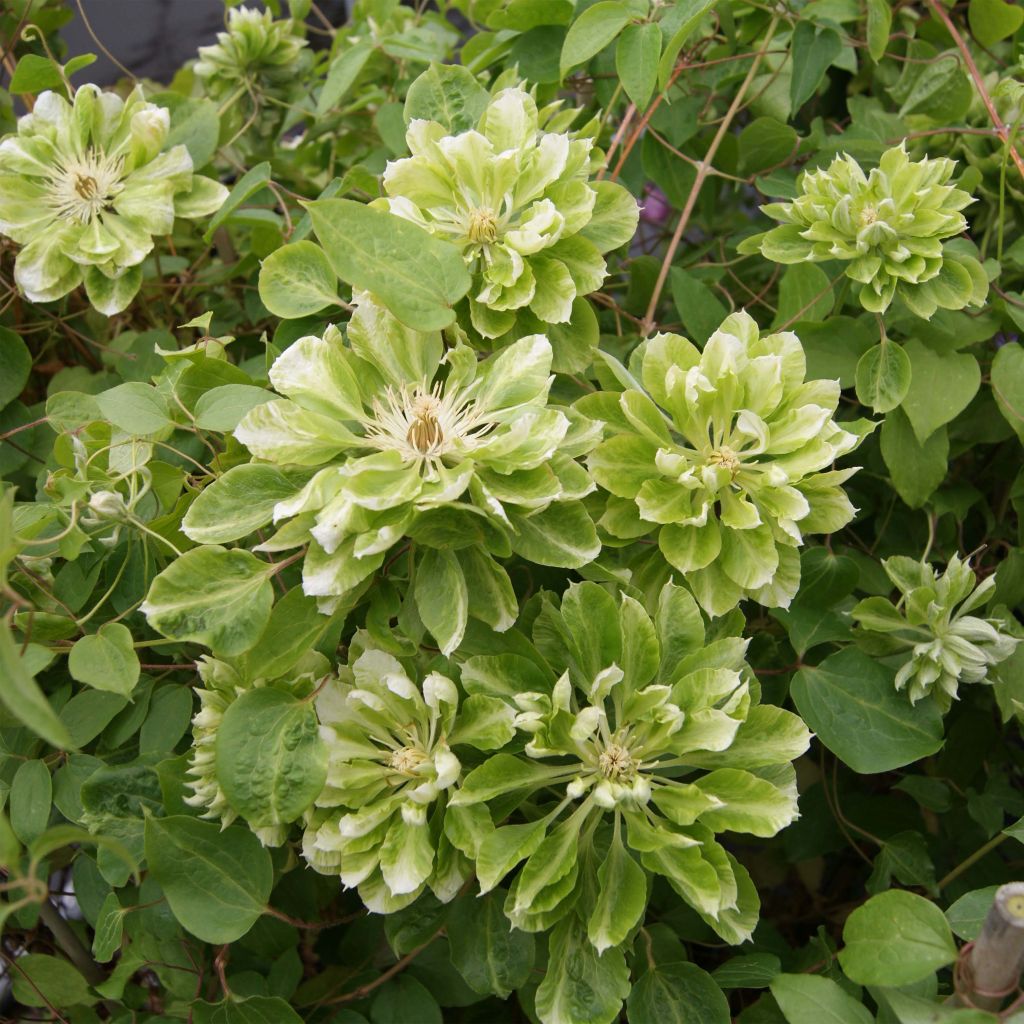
[632, 739]
[930, 634]
[515, 195]
[396, 431]
[379, 822]
[888, 226]
[723, 453]
[85, 186]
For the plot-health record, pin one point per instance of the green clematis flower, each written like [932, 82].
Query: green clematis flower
[723, 453]
[257, 57]
[398, 437]
[888, 225]
[930, 633]
[85, 186]
[516, 196]
[646, 740]
[379, 822]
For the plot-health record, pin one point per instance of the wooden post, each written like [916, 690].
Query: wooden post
[990, 969]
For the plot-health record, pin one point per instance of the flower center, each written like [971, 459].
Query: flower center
[84, 186]
[726, 458]
[616, 763]
[483, 227]
[868, 216]
[407, 760]
[425, 433]
[423, 425]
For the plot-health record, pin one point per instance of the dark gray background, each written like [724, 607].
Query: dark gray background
[155, 37]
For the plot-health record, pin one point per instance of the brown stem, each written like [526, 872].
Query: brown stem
[702, 172]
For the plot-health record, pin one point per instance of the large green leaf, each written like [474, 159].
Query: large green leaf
[677, 993]
[942, 385]
[492, 957]
[850, 700]
[21, 696]
[297, 280]
[580, 985]
[591, 32]
[216, 881]
[810, 999]
[271, 762]
[212, 596]
[106, 659]
[418, 277]
[894, 939]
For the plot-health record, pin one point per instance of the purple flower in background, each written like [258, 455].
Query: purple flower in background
[655, 208]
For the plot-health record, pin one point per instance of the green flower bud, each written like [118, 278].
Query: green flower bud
[929, 633]
[889, 226]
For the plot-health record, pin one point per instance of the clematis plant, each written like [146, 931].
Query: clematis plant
[930, 632]
[724, 454]
[397, 438]
[889, 226]
[645, 740]
[515, 195]
[379, 821]
[84, 187]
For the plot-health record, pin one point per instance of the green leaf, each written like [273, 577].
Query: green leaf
[34, 74]
[678, 993]
[896, 938]
[30, 799]
[850, 700]
[810, 999]
[404, 1000]
[561, 535]
[216, 881]
[1008, 385]
[591, 32]
[699, 308]
[195, 124]
[883, 376]
[212, 596]
[492, 957]
[580, 985]
[22, 698]
[942, 385]
[106, 660]
[991, 21]
[805, 293]
[879, 28]
[441, 597]
[15, 364]
[298, 280]
[766, 143]
[240, 501]
[135, 407]
[966, 916]
[41, 980]
[247, 185]
[254, 1010]
[449, 95]
[222, 408]
[688, 14]
[106, 940]
[916, 469]
[418, 277]
[271, 762]
[621, 899]
[814, 50]
[341, 76]
[636, 61]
